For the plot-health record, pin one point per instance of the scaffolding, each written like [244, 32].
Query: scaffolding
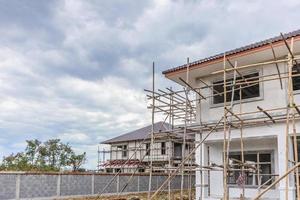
[183, 112]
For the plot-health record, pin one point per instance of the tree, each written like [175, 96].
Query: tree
[77, 160]
[65, 154]
[32, 150]
[16, 162]
[51, 155]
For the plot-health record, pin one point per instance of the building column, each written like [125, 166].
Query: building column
[282, 168]
[200, 160]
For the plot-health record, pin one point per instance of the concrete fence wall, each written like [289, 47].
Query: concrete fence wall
[48, 186]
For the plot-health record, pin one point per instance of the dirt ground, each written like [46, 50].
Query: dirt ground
[140, 196]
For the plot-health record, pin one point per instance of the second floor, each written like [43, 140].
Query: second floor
[163, 150]
[257, 78]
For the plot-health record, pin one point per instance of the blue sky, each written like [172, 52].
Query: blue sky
[76, 70]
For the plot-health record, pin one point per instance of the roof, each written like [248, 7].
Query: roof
[139, 134]
[236, 51]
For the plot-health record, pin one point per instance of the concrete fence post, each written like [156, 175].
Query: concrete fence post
[118, 183]
[18, 181]
[58, 185]
[138, 183]
[93, 183]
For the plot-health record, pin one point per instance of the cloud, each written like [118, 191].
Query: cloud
[76, 69]
[75, 138]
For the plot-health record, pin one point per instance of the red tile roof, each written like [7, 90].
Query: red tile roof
[235, 51]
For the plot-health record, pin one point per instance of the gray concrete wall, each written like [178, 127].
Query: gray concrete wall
[8, 184]
[38, 185]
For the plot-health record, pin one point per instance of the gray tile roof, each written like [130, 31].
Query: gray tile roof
[237, 50]
[139, 134]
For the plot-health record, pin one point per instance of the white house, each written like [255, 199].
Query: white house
[130, 152]
[263, 143]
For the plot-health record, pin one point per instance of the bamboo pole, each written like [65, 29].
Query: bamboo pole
[228, 125]
[296, 156]
[242, 81]
[152, 132]
[184, 132]
[289, 94]
[257, 197]
[255, 65]
[276, 64]
[229, 121]
[225, 192]
[292, 105]
[242, 148]
[123, 165]
[201, 151]
[294, 130]
[169, 148]
[186, 158]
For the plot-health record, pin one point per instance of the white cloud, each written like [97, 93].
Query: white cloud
[75, 137]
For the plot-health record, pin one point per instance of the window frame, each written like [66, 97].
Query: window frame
[272, 163]
[163, 148]
[294, 91]
[244, 73]
[147, 147]
[124, 151]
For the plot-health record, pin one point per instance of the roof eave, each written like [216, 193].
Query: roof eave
[219, 58]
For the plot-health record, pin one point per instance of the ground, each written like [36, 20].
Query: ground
[140, 196]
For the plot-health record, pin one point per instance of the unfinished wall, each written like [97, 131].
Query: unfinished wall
[271, 94]
[37, 186]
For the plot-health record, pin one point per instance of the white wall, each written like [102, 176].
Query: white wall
[132, 145]
[255, 139]
[267, 137]
[271, 95]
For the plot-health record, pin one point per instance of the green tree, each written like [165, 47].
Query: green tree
[51, 155]
[16, 162]
[76, 161]
[52, 152]
[32, 150]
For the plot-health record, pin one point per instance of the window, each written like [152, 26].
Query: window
[296, 79]
[147, 149]
[187, 146]
[124, 151]
[119, 147]
[163, 148]
[258, 169]
[298, 146]
[109, 170]
[118, 170]
[249, 90]
[141, 170]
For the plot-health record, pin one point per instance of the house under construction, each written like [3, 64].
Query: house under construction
[242, 107]
[135, 147]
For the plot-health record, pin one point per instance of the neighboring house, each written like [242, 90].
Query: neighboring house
[130, 152]
[263, 143]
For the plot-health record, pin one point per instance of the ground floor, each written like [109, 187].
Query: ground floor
[136, 166]
[264, 158]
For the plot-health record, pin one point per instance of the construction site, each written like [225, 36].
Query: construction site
[150, 100]
[242, 112]
[228, 132]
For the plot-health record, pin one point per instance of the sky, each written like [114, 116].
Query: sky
[76, 69]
